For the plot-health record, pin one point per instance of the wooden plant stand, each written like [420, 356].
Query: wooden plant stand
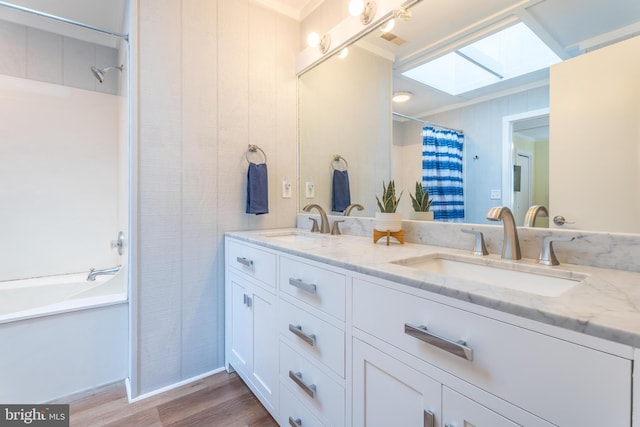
[398, 235]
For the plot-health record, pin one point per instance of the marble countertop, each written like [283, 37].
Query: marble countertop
[605, 304]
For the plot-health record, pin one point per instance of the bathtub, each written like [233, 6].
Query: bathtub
[61, 335]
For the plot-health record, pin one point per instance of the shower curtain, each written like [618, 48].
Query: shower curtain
[442, 172]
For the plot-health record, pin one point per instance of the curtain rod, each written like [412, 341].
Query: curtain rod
[426, 122]
[65, 20]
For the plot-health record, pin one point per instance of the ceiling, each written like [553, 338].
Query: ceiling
[569, 27]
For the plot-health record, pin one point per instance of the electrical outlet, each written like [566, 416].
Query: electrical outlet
[310, 191]
[286, 189]
[496, 194]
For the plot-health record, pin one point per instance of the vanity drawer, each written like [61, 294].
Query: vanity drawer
[255, 262]
[326, 401]
[293, 413]
[312, 336]
[321, 288]
[529, 369]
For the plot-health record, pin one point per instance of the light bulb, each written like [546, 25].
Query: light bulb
[356, 7]
[313, 39]
[343, 53]
[388, 26]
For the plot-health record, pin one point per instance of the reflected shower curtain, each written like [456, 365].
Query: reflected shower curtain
[442, 172]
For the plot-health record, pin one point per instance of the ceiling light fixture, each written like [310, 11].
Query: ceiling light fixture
[388, 26]
[356, 7]
[322, 42]
[369, 12]
[401, 96]
[313, 39]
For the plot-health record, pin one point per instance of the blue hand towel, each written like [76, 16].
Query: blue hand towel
[257, 189]
[341, 197]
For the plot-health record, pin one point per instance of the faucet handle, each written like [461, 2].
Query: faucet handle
[479, 248]
[314, 225]
[335, 228]
[547, 255]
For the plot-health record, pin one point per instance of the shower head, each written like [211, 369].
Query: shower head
[99, 73]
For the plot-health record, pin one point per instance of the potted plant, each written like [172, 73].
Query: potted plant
[388, 219]
[421, 204]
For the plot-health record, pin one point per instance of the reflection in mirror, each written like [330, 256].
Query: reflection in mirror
[570, 28]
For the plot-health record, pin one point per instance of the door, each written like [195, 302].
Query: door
[390, 393]
[522, 191]
[460, 411]
[241, 325]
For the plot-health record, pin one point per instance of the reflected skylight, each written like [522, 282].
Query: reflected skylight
[510, 53]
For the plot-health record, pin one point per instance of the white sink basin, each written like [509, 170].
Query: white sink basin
[293, 236]
[538, 280]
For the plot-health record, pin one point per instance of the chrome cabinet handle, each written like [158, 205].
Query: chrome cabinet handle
[245, 261]
[310, 389]
[295, 423]
[300, 284]
[297, 331]
[458, 348]
[429, 419]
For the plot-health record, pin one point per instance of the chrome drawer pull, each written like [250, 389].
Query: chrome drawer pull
[308, 338]
[459, 348]
[429, 419]
[245, 261]
[297, 378]
[295, 423]
[307, 287]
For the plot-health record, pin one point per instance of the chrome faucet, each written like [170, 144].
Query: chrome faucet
[349, 208]
[510, 245]
[324, 222]
[532, 213]
[93, 272]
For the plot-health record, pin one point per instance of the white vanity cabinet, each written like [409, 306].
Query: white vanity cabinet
[325, 346]
[250, 319]
[561, 382]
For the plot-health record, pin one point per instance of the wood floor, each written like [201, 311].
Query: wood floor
[219, 400]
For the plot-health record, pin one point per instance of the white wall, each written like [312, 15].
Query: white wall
[58, 178]
[214, 76]
[595, 139]
[482, 126]
[345, 105]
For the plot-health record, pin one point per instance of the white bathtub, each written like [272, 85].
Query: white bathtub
[61, 335]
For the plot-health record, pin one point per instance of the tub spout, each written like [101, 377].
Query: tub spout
[93, 272]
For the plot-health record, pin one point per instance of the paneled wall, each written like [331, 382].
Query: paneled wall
[214, 76]
[482, 126]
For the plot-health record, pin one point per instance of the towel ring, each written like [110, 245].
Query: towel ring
[252, 149]
[338, 158]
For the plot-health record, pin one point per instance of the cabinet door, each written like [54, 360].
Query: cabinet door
[390, 393]
[459, 411]
[264, 368]
[241, 326]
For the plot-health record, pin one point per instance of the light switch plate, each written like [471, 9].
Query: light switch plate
[496, 194]
[310, 191]
[286, 189]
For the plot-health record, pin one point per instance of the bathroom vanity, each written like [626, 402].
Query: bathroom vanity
[337, 331]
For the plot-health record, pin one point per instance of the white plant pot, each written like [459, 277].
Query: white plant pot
[421, 216]
[385, 221]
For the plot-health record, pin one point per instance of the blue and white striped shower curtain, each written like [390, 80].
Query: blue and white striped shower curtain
[442, 172]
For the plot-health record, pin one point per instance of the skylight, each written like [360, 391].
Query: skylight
[509, 53]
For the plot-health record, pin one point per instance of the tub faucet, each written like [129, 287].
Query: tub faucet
[349, 208]
[93, 272]
[510, 245]
[324, 222]
[532, 213]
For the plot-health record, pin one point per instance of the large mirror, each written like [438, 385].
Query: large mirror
[516, 131]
